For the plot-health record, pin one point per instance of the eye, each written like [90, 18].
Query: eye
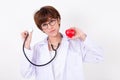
[52, 22]
[44, 25]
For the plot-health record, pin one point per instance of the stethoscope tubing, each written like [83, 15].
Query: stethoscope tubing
[39, 65]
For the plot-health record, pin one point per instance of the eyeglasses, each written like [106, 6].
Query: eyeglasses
[52, 22]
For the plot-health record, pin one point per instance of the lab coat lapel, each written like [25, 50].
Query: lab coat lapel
[44, 52]
[61, 57]
[45, 57]
[62, 54]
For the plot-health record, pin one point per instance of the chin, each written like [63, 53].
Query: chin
[53, 34]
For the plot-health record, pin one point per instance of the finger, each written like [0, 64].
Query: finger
[24, 34]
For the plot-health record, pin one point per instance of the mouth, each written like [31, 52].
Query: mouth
[52, 31]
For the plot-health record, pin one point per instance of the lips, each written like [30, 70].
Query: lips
[52, 31]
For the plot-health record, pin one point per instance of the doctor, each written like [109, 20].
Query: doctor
[71, 52]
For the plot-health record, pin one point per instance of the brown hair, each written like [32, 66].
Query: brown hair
[44, 14]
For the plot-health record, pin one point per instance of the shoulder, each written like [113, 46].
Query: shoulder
[41, 43]
[71, 41]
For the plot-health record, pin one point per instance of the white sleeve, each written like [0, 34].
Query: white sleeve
[27, 69]
[91, 52]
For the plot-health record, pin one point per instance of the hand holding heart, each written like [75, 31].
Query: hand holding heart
[70, 32]
[74, 33]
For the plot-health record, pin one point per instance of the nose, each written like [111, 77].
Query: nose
[49, 26]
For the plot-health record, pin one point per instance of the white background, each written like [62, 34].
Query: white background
[100, 19]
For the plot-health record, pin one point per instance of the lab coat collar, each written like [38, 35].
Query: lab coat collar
[45, 41]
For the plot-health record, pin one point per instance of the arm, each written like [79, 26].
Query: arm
[90, 51]
[26, 68]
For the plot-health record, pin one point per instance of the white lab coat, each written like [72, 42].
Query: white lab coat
[69, 60]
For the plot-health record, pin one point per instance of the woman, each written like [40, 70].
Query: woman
[71, 52]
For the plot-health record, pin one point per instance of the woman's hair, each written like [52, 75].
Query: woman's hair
[44, 14]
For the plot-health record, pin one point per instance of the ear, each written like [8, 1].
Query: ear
[59, 21]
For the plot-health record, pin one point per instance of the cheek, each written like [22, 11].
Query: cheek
[57, 26]
[45, 31]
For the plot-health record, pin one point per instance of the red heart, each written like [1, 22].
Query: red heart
[70, 32]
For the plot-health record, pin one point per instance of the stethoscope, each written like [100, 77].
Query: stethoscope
[39, 65]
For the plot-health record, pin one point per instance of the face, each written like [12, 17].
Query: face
[51, 27]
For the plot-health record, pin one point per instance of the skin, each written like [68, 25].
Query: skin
[54, 36]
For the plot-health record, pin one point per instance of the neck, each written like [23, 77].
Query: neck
[55, 40]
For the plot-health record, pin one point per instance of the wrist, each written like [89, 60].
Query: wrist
[27, 45]
[83, 36]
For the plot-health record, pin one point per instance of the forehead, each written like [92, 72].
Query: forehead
[48, 20]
